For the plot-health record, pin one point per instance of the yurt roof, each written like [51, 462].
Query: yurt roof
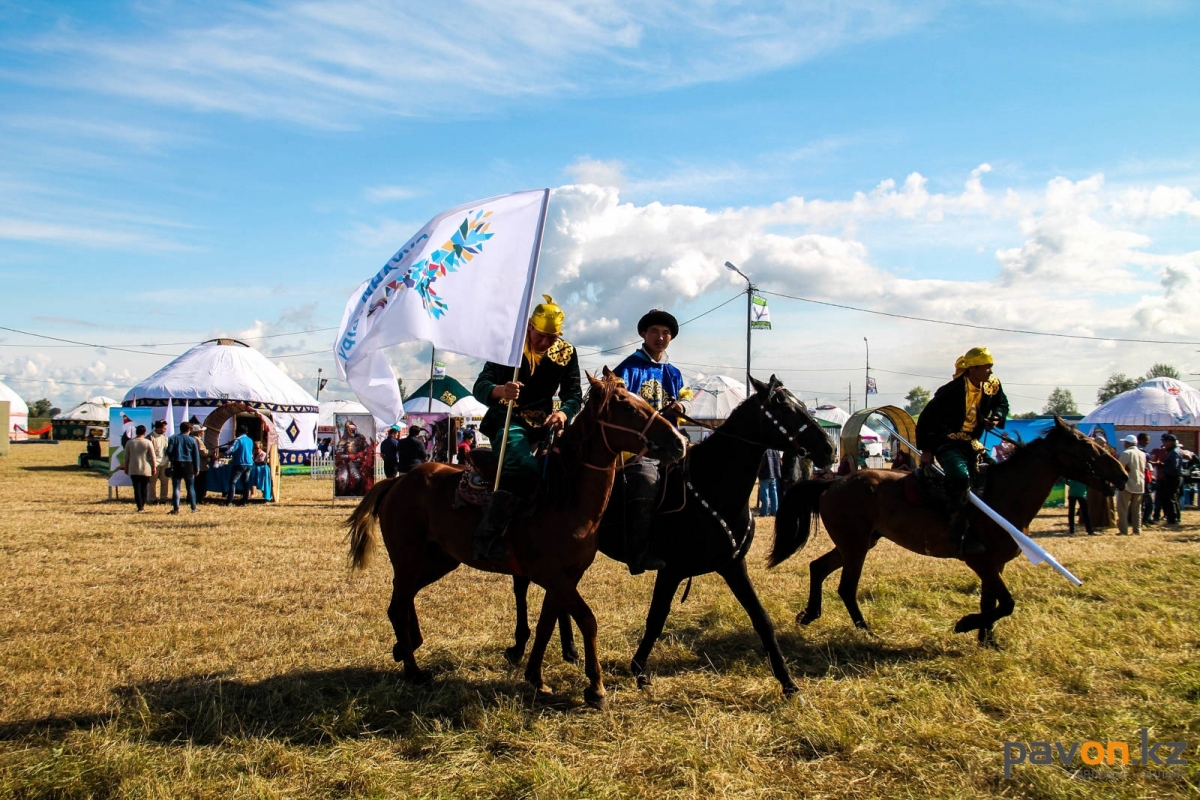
[331, 407]
[446, 390]
[831, 413]
[223, 369]
[468, 407]
[16, 406]
[1156, 403]
[94, 409]
[715, 397]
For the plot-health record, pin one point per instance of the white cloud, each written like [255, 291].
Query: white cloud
[327, 64]
[386, 194]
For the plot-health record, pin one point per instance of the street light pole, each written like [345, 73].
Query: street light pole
[318, 383]
[867, 383]
[749, 316]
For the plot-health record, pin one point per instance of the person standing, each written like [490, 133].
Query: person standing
[1143, 443]
[163, 482]
[241, 461]
[201, 482]
[1170, 478]
[140, 465]
[410, 451]
[185, 463]
[1129, 499]
[769, 470]
[1077, 498]
[387, 451]
[549, 365]
[649, 375]
[950, 427]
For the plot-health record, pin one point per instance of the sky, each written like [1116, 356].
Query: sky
[171, 172]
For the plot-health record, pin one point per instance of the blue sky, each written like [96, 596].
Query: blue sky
[170, 172]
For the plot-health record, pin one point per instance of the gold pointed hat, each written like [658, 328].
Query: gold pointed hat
[547, 317]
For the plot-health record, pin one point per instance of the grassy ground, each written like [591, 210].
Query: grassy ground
[229, 653]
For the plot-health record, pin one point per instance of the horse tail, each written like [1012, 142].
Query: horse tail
[362, 524]
[798, 509]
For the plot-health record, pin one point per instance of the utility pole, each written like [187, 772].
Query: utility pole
[749, 315]
[850, 397]
[867, 382]
[432, 363]
[318, 383]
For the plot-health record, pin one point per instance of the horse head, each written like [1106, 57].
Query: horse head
[785, 424]
[1082, 459]
[630, 424]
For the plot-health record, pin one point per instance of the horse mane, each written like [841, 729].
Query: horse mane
[566, 458]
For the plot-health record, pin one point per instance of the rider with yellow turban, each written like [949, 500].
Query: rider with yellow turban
[549, 366]
[950, 427]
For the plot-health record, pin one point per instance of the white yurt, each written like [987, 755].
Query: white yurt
[239, 385]
[326, 422]
[18, 414]
[91, 413]
[715, 397]
[1156, 405]
[830, 413]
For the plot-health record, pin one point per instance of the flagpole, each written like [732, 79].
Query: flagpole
[867, 384]
[537, 257]
[749, 315]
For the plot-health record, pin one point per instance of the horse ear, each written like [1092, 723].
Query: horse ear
[1059, 423]
[775, 381]
[593, 381]
[758, 385]
[608, 373]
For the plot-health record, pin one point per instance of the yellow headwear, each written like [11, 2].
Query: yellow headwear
[547, 317]
[975, 357]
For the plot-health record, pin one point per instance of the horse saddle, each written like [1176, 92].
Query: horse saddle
[927, 487]
[475, 485]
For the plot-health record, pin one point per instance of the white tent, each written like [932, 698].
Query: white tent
[18, 413]
[468, 408]
[331, 407]
[94, 409]
[831, 413]
[1156, 403]
[223, 371]
[715, 397]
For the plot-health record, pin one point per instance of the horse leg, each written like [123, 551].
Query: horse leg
[547, 617]
[566, 636]
[594, 695]
[820, 569]
[738, 579]
[438, 564]
[521, 634]
[665, 585]
[995, 602]
[848, 588]
[987, 606]
[401, 612]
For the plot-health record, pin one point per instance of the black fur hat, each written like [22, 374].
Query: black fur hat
[658, 317]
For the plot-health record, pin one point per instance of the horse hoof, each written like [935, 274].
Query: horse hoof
[571, 656]
[790, 689]
[804, 618]
[396, 656]
[965, 625]
[595, 698]
[643, 681]
[417, 677]
[513, 656]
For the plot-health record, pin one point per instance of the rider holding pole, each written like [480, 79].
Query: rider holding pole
[950, 427]
[647, 374]
[549, 365]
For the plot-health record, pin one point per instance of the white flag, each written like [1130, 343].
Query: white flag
[760, 316]
[462, 283]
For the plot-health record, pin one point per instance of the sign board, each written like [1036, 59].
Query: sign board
[353, 455]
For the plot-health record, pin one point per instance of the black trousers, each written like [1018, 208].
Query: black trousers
[391, 468]
[141, 487]
[1166, 496]
[1084, 514]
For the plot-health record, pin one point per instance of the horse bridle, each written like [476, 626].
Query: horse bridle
[641, 436]
[791, 437]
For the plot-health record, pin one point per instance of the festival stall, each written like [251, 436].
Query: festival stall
[18, 414]
[91, 413]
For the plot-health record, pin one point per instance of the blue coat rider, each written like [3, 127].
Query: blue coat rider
[950, 426]
[549, 366]
[647, 374]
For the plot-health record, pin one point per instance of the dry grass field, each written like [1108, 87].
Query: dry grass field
[230, 654]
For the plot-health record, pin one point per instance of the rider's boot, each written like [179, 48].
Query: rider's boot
[958, 532]
[640, 515]
[489, 536]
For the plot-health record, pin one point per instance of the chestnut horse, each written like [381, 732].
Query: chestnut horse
[427, 537]
[869, 504]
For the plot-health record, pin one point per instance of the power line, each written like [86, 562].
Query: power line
[972, 325]
[86, 344]
[685, 322]
[75, 343]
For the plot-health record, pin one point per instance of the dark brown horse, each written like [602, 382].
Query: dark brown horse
[870, 504]
[427, 537]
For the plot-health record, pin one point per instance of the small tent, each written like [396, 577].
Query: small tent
[226, 372]
[18, 414]
[446, 393]
[91, 413]
[1155, 406]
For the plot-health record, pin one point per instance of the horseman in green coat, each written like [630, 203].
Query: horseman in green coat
[549, 366]
[950, 427]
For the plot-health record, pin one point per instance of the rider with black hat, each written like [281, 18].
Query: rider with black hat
[647, 374]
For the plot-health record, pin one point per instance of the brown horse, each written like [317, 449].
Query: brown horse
[427, 537]
[860, 509]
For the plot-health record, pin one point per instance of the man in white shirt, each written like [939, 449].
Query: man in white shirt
[1129, 499]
